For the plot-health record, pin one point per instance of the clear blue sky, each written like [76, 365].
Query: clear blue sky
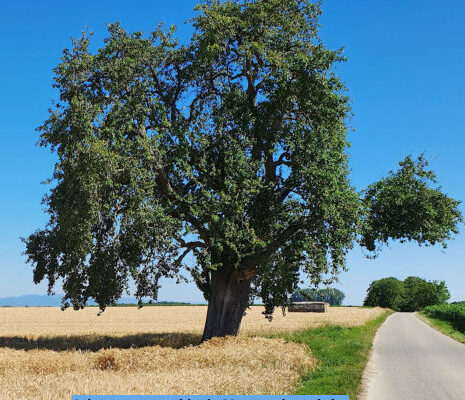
[405, 74]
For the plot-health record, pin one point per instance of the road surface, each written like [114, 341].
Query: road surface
[412, 361]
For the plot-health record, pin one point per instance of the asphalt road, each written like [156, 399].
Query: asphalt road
[412, 361]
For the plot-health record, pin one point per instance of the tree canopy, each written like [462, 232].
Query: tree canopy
[386, 292]
[230, 147]
[412, 294]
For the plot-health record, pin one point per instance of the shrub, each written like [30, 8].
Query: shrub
[453, 313]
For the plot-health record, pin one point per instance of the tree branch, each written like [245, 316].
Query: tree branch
[178, 261]
[281, 160]
[190, 245]
[281, 237]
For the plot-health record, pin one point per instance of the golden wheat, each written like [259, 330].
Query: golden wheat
[35, 321]
[229, 365]
[47, 354]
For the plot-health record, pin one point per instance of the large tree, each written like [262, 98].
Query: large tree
[231, 147]
[386, 292]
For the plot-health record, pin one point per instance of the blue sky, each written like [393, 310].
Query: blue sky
[405, 75]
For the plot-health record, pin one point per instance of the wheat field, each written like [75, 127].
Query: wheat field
[46, 353]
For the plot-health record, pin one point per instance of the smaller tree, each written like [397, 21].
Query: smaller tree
[442, 291]
[386, 292]
[332, 296]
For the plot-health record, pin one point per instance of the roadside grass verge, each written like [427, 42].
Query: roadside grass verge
[342, 353]
[442, 326]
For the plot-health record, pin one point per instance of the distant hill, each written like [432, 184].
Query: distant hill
[37, 300]
[31, 300]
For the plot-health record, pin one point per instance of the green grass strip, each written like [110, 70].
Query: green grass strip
[442, 326]
[342, 353]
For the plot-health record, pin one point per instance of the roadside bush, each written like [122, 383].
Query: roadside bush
[453, 313]
[412, 294]
[332, 296]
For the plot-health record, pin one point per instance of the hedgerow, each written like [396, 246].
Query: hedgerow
[453, 313]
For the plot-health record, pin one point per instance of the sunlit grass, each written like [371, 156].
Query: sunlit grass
[443, 326]
[342, 354]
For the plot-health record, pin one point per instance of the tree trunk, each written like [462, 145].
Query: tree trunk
[228, 297]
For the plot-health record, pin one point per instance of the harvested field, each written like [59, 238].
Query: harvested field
[49, 354]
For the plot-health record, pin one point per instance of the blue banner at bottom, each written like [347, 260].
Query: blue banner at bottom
[202, 397]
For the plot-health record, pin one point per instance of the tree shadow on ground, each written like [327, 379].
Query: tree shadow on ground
[98, 342]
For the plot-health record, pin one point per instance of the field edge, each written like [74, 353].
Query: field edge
[445, 327]
[342, 353]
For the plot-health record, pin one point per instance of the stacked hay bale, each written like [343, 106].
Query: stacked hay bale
[309, 306]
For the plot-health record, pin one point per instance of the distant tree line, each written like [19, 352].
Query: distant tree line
[412, 294]
[330, 295]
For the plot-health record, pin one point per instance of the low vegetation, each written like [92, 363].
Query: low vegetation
[342, 354]
[49, 354]
[442, 326]
[452, 313]
[412, 294]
